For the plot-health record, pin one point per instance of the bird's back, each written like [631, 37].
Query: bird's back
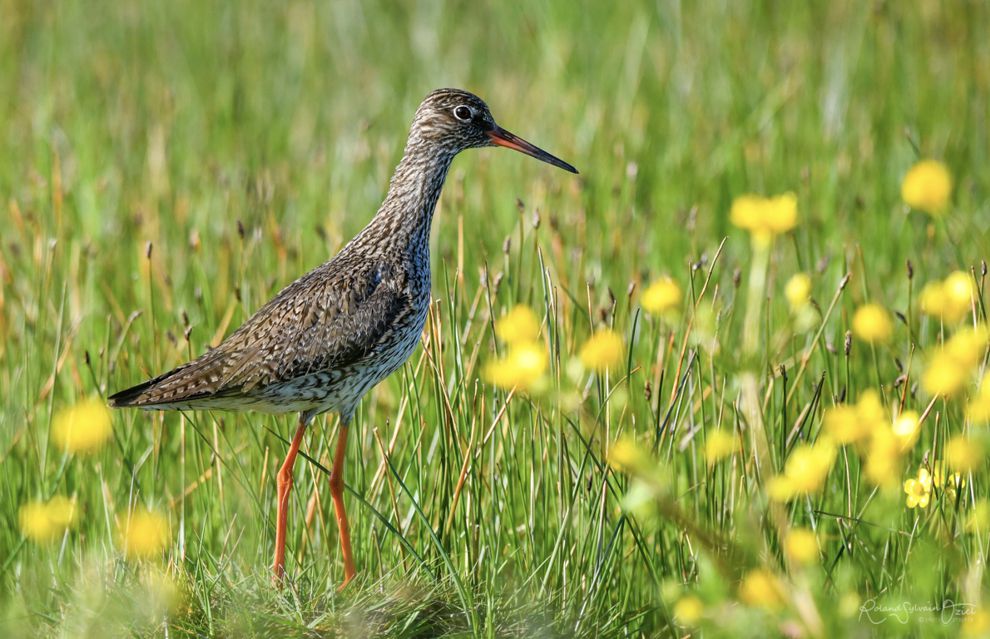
[318, 345]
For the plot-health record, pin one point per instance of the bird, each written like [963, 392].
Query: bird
[330, 336]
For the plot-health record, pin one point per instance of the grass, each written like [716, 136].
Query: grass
[167, 167]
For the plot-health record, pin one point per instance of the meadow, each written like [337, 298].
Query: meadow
[725, 382]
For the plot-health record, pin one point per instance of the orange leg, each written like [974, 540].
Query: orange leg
[283, 482]
[337, 494]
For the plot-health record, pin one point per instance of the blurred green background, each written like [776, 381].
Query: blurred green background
[248, 141]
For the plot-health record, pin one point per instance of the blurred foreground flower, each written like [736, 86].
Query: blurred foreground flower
[43, 522]
[518, 325]
[798, 291]
[719, 444]
[143, 534]
[764, 217]
[951, 299]
[963, 454]
[602, 351]
[688, 610]
[950, 367]
[918, 490]
[628, 456]
[762, 589]
[82, 428]
[978, 520]
[662, 297]
[883, 457]
[801, 546]
[522, 367]
[871, 323]
[978, 409]
[976, 623]
[805, 471]
[907, 429]
[847, 424]
[927, 186]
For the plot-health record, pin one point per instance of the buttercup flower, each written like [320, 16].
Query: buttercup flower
[143, 534]
[82, 428]
[688, 610]
[801, 546]
[918, 490]
[943, 375]
[927, 186]
[883, 456]
[719, 444]
[764, 217]
[907, 428]
[522, 367]
[951, 299]
[43, 522]
[871, 323]
[963, 454]
[978, 409]
[518, 325]
[762, 589]
[798, 291]
[603, 351]
[948, 482]
[805, 471]
[662, 297]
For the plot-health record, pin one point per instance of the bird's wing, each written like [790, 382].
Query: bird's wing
[327, 320]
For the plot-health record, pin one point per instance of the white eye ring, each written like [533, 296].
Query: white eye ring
[463, 113]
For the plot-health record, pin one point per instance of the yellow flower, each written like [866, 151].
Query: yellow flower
[144, 534]
[801, 546]
[978, 409]
[927, 186]
[798, 291]
[662, 297]
[805, 471]
[764, 217]
[871, 323]
[626, 455]
[602, 351]
[843, 424]
[918, 490]
[883, 457]
[518, 325]
[963, 454]
[976, 623]
[978, 520]
[43, 522]
[950, 299]
[521, 368]
[907, 428]
[761, 588]
[870, 411]
[950, 483]
[82, 428]
[968, 345]
[688, 610]
[943, 375]
[718, 445]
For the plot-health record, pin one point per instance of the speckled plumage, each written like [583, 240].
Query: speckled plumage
[334, 333]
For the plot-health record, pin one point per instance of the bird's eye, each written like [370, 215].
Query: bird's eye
[462, 113]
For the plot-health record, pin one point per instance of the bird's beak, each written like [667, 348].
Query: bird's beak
[501, 137]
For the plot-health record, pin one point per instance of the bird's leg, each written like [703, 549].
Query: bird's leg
[283, 482]
[337, 494]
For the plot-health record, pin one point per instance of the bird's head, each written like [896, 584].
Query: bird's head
[454, 120]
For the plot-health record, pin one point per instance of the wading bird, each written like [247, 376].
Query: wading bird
[334, 333]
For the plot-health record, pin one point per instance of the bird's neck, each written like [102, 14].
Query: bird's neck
[406, 214]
